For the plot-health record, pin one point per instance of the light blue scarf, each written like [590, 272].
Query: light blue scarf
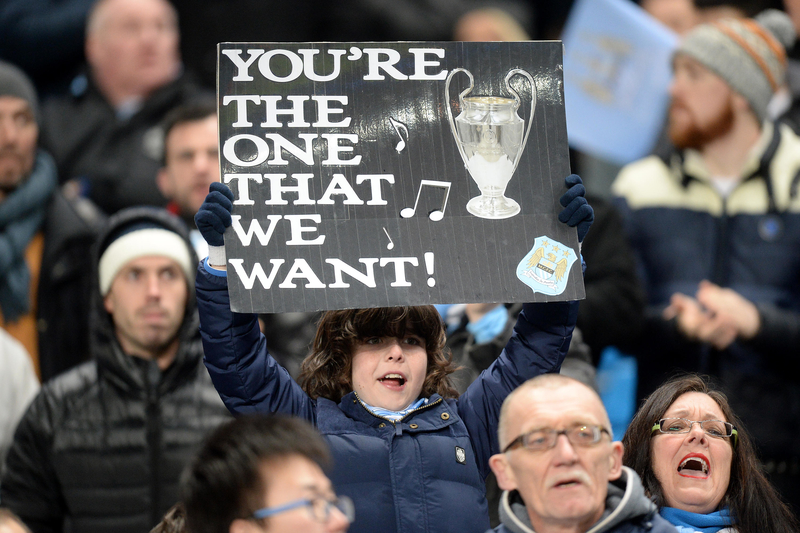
[687, 522]
[394, 415]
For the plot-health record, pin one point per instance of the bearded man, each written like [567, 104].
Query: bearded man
[45, 238]
[716, 227]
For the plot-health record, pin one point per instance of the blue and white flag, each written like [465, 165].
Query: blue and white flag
[617, 70]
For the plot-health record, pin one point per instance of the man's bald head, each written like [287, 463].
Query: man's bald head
[521, 396]
[561, 475]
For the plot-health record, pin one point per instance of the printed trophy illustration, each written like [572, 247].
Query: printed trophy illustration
[489, 135]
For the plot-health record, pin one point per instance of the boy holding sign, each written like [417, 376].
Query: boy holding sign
[410, 454]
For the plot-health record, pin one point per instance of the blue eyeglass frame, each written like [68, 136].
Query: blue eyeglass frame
[306, 502]
[270, 511]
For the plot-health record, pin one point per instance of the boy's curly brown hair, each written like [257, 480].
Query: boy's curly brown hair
[327, 371]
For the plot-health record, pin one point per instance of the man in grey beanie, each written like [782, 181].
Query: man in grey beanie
[716, 226]
[44, 239]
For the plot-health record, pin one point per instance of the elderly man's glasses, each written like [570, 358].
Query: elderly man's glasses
[319, 508]
[713, 428]
[545, 438]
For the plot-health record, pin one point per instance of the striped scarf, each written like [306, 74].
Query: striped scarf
[394, 416]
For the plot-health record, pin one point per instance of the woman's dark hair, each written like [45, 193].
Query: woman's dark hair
[224, 481]
[327, 371]
[754, 504]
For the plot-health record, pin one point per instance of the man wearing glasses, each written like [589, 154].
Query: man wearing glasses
[560, 468]
[263, 474]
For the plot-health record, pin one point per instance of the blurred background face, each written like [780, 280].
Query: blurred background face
[134, 44]
[8, 525]
[678, 459]
[702, 105]
[192, 163]
[678, 15]
[18, 137]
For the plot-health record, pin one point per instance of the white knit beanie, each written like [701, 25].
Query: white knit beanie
[141, 242]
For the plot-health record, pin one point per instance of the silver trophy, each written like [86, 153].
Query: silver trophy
[489, 136]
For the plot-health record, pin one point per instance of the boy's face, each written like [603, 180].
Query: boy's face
[389, 372]
[293, 478]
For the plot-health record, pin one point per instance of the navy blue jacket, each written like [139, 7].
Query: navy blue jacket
[684, 231]
[423, 473]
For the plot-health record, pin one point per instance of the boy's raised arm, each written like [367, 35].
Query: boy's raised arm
[247, 378]
[540, 342]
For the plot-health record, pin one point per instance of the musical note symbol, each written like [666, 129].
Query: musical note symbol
[437, 214]
[397, 127]
[391, 242]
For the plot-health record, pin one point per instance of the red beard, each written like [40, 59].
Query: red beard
[688, 133]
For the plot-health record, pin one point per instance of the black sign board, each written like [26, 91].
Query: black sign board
[405, 173]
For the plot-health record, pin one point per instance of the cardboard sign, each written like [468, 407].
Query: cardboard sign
[384, 174]
[617, 67]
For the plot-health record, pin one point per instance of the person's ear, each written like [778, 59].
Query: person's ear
[108, 303]
[740, 103]
[503, 472]
[91, 48]
[615, 461]
[164, 183]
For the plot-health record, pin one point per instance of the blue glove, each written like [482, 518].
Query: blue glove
[577, 211]
[214, 215]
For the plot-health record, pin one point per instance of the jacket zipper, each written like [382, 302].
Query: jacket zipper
[153, 427]
[421, 407]
[720, 273]
[398, 431]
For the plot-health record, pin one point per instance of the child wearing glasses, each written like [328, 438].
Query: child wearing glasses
[262, 471]
[410, 453]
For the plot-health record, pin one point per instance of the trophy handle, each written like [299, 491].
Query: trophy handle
[461, 105]
[511, 74]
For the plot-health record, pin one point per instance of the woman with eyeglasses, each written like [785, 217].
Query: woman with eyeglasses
[699, 465]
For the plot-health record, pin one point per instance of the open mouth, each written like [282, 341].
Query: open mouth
[567, 483]
[694, 466]
[393, 380]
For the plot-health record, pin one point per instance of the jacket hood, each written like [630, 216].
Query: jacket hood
[625, 501]
[129, 372]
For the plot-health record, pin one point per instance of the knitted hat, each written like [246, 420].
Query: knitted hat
[14, 82]
[141, 240]
[749, 54]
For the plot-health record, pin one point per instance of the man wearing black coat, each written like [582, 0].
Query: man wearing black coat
[105, 135]
[101, 448]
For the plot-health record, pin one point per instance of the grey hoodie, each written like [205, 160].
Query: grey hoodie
[627, 510]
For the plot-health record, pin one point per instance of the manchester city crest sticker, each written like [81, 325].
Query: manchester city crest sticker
[546, 267]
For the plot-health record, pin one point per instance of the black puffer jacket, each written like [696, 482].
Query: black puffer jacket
[102, 446]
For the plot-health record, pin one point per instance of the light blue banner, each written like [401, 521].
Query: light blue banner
[617, 70]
